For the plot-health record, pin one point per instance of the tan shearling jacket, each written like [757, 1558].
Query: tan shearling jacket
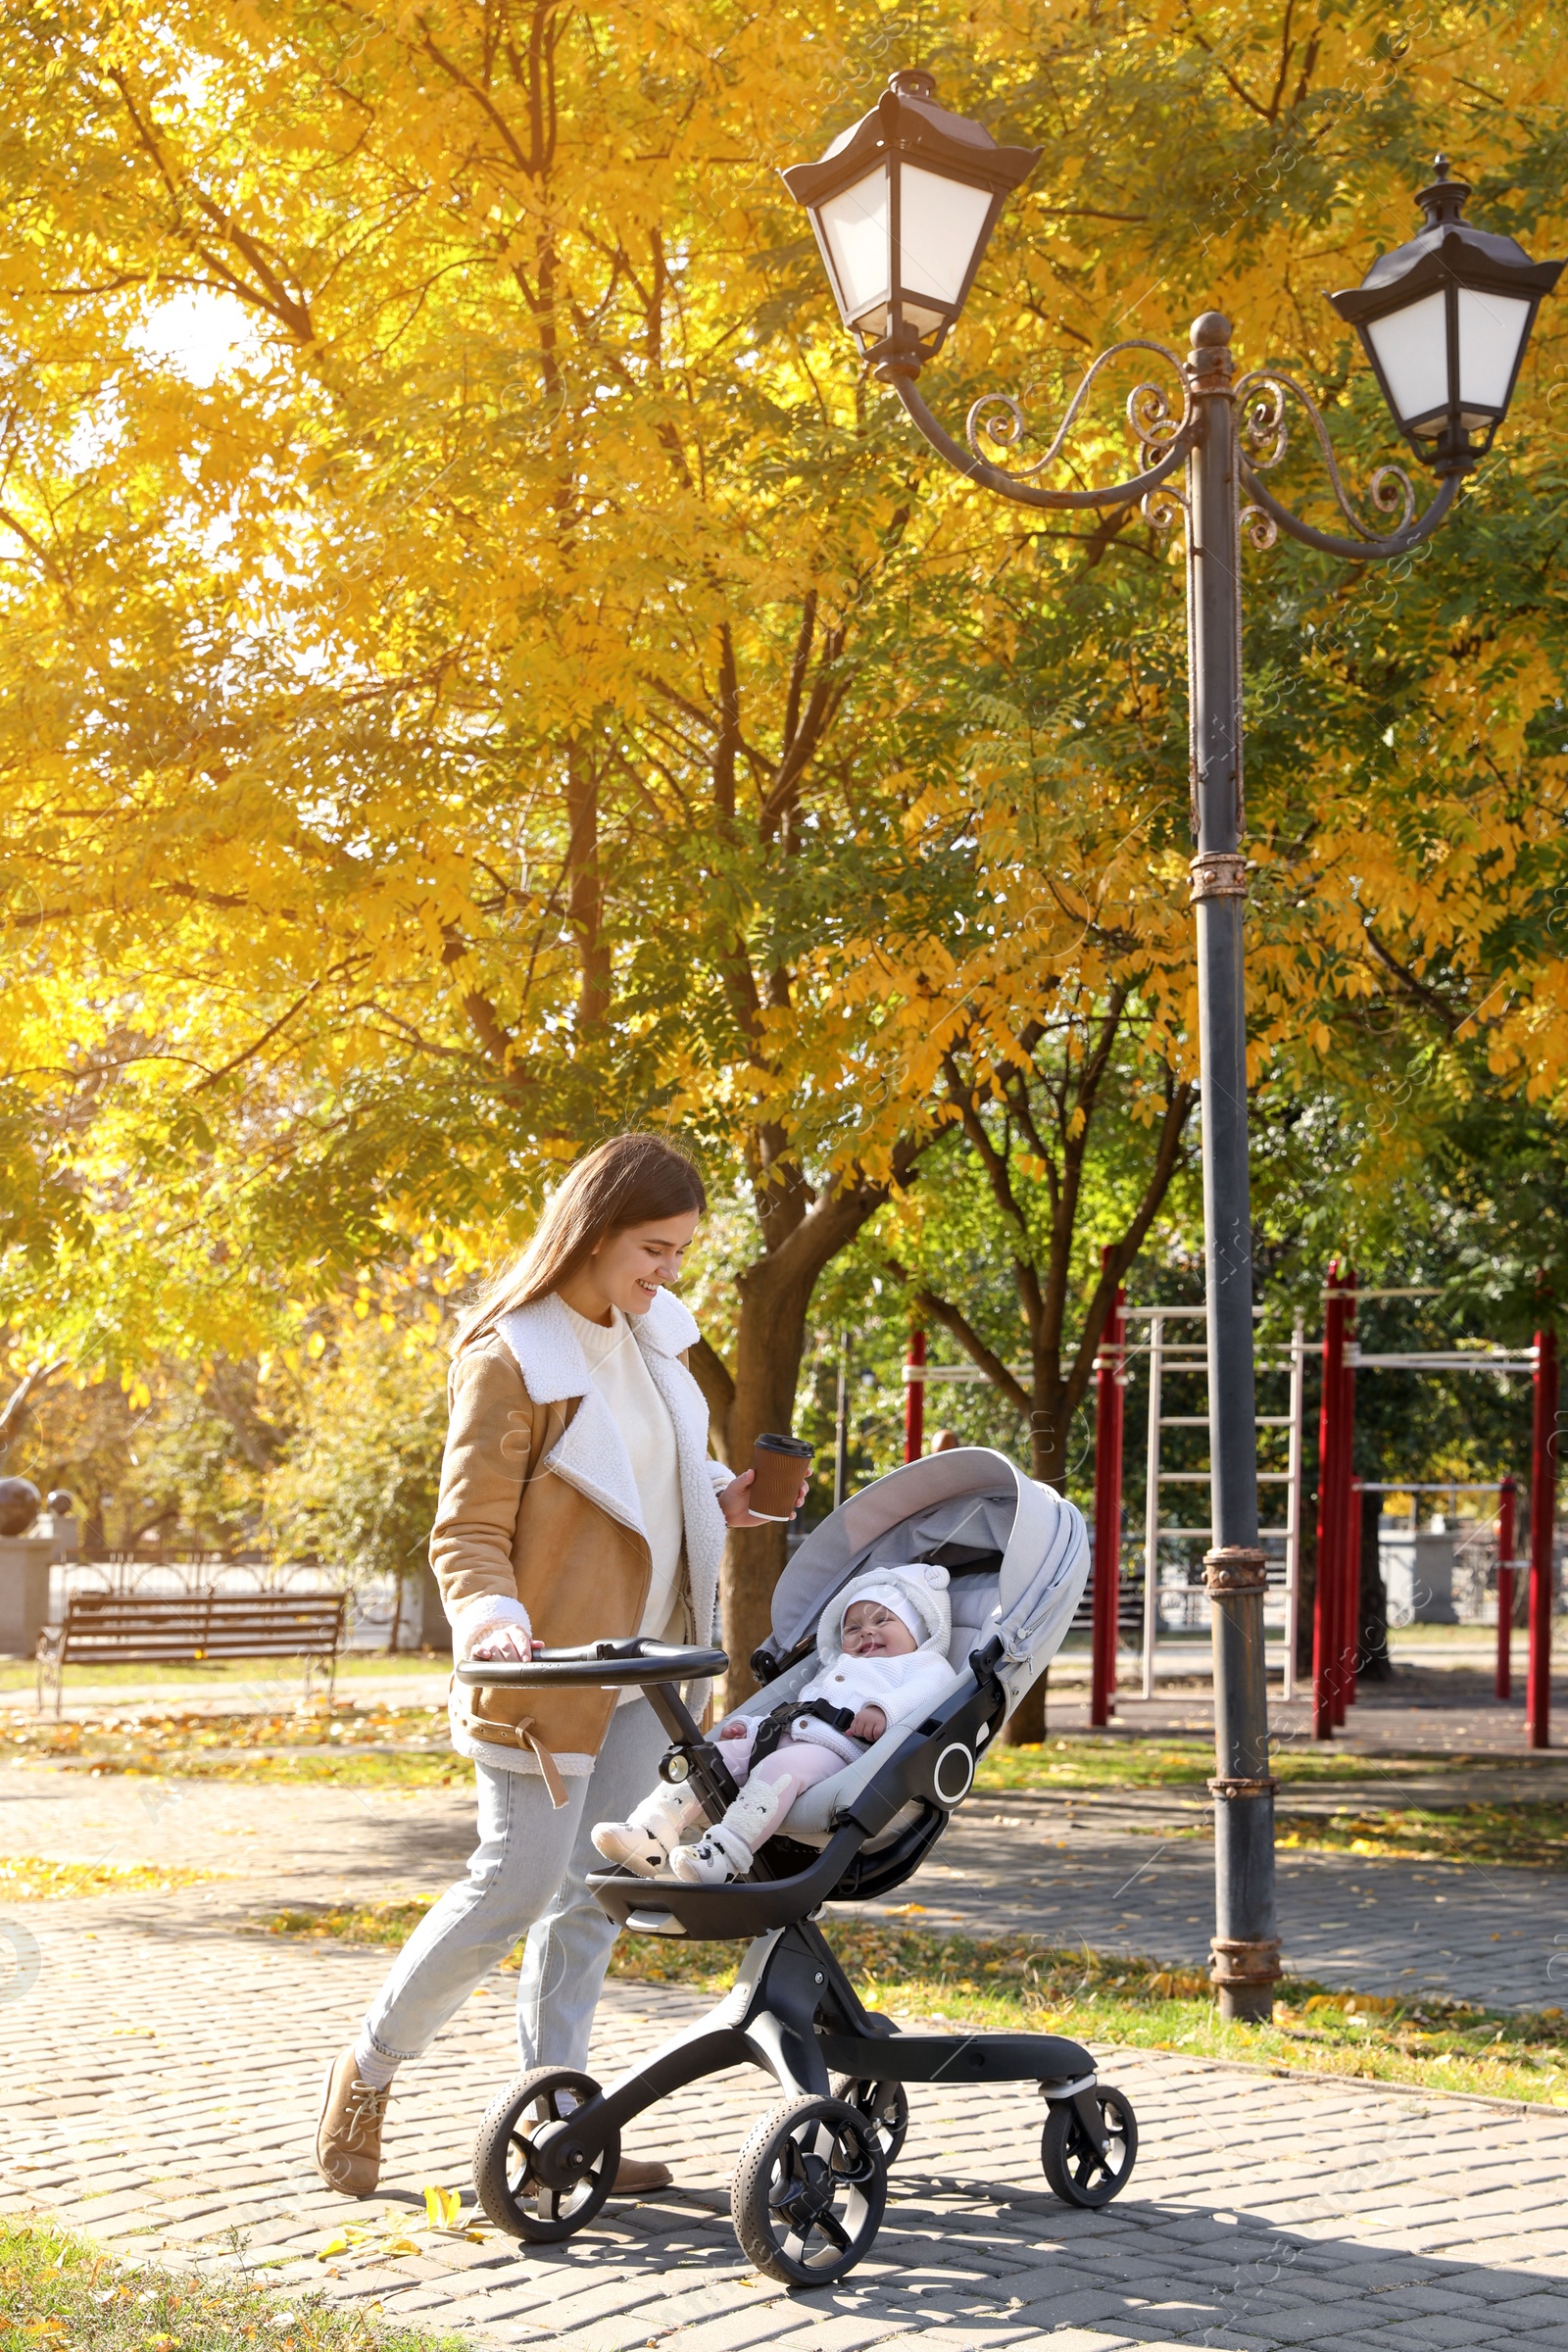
[539, 1523]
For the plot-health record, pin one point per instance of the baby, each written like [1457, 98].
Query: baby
[882, 1663]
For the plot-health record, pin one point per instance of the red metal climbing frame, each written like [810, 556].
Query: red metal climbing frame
[1110, 1390]
[1335, 1617]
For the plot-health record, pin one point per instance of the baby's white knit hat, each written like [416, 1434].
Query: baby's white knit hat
[916, 1594]
[894, 1598]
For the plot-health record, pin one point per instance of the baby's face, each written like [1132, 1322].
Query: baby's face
[871, 1631]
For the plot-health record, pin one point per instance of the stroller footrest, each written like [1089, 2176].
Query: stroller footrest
[956, 2057]
[654, 1923]
[739, 1907]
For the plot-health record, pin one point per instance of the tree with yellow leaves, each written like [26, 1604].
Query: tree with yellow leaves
[526, 681]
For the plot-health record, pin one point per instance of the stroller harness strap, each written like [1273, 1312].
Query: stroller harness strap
[773, 1726]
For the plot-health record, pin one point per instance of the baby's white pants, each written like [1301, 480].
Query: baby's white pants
[794, 1766]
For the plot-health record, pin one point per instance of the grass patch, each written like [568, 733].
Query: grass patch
[349, 1923]
[1531, 1834]
[388, 1747]
[61, 2295]
[1088, 1763]
[373, 1746]
[1012, 1982]
[31, 1879]
[21, 1674]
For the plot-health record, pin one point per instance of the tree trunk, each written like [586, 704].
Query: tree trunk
[1307, 1610]
[585, 895]
[1026, 1724]
[434, 1631]
[1373, 1663]
[775, 1296]
[770, 1341]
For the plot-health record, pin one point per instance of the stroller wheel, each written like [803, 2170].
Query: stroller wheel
[885, 2107]
[808, 2192]
[504, 2163]
[1079, 2171]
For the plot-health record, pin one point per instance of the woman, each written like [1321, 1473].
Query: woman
[578, 1503]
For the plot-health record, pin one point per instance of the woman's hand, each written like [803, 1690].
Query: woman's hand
[735, 1502]
[870, 1723]
[506, 1641]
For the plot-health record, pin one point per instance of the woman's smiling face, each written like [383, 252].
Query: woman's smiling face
[630, 1268]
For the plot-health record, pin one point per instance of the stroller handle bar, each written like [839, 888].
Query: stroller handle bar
[602, 1665]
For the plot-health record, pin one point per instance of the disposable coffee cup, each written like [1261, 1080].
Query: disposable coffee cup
[780, 1464]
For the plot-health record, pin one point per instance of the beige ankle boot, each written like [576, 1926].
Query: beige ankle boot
[348, 2133]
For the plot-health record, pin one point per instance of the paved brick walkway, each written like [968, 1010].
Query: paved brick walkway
[1494, 1935]
[160, 2092]
[1070, 1870]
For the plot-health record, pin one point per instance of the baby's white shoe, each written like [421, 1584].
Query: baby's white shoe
[715, 1858]
[728, 1849]
[643, 1842]
[628, 1842]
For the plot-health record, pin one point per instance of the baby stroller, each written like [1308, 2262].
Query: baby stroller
[808, 2192]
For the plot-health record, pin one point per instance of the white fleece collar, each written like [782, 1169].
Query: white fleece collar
[667, 1328]
[591, 1455]
[550, 1353]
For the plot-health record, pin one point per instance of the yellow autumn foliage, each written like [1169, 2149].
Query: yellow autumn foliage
[481, 666]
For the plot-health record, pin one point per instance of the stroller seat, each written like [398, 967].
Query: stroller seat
[809, 2192]
[1017, 1556]
[814, 1813]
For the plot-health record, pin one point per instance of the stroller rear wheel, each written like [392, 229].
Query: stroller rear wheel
[1076, 2168]
[808, 2192]
[505, 2171]
[885, 2107]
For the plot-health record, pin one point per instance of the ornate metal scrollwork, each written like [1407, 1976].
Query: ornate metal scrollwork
[1266, 432]
[1161, 507]
[1261, 398]
[1163, 439]
[999, 418]
[1149, 414]
[1162, 434]
[1002, 419]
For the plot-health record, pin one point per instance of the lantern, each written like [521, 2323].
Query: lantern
[1444, 320]
[902, 207]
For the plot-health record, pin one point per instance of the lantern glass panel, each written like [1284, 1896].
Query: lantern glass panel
[1491, 327]
[1413, 351]
[854, 228]
[941, 223]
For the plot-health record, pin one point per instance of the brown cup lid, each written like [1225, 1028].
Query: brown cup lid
[777, 1444]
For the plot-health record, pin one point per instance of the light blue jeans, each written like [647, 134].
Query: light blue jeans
[526, 1876]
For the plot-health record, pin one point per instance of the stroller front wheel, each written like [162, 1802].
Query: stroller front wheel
[504, 2168]
[1076, 2167]
[808, 2192]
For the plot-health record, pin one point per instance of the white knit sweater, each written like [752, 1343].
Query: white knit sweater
[617, 1371]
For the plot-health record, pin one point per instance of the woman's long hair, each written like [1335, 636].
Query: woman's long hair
[631, 1179]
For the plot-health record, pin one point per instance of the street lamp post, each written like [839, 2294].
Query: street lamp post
[903, 206]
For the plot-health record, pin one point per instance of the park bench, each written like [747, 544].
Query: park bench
[120, 1628]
